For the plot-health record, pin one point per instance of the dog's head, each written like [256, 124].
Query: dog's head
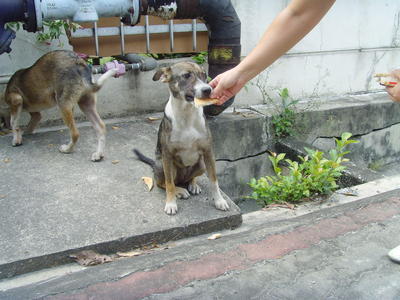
[186, 81]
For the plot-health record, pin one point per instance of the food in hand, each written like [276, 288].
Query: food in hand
[385, 79]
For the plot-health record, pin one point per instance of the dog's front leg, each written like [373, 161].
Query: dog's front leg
[219, 201]
[15, 100]
[169, 173]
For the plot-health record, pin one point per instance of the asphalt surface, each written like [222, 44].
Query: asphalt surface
[337, 252]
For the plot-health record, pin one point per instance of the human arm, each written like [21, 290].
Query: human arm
[394, 91]
[288, 28]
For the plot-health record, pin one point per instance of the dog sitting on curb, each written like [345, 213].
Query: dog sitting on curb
[184, 145]
[59, 78]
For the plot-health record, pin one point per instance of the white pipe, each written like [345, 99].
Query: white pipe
[87, 10]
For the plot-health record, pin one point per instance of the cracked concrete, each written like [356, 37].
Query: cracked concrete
[370, 77]
[372, 118]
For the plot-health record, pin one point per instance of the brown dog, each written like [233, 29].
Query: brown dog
[184, 146]
[58, 78]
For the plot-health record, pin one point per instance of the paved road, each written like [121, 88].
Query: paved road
[335, 253]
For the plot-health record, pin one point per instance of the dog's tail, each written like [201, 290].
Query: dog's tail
[144, 158]
[103, 78]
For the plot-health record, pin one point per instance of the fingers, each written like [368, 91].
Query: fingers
[213, 83]
[396, 74]
[222, 95]
[394, 93]
[217, 88]
[223, 99]
[225, 86]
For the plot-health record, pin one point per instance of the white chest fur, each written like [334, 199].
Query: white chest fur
[188, 130]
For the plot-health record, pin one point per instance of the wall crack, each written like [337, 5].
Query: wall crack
[242, 158]
[355, 135]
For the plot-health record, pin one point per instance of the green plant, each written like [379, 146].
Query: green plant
[284, 117]
[201, 57]
[14, 25]
[52, 30]
[315, 174]
[284, 121]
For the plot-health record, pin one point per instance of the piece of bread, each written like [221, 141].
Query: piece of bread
[205, 101]
[385, 79]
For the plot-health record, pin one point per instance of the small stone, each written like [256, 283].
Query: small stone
[394, 254]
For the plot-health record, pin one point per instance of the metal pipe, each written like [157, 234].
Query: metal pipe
[15, 11]
[224, 32]
[129, 30]
[96, 39]
[147, 29]
[122, 38]
[222, 22]
[194, 34]
[89, 10]
[171, 35]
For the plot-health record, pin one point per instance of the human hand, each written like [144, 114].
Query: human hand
[394, 91]
[227, 85]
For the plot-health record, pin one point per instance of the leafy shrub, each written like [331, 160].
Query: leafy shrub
[201, 57]
[284, 120]
[52, 30]
[313, 175]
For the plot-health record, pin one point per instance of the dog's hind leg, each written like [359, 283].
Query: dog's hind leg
[68, 117]
[35, 119]
[193, 187]
[198, 170]
[88, 106]
[15, 100]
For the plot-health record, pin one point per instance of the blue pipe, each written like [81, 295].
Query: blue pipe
[15, 11]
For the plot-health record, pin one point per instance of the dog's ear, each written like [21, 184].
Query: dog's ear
[163, 74]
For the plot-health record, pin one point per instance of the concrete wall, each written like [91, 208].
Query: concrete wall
[25, 51]
[356, 39]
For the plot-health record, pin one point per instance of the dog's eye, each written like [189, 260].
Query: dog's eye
[187, 75]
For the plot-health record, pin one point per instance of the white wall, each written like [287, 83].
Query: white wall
[356, 39]
[26, 50]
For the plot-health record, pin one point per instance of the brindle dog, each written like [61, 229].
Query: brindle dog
[59, 78]
[184, 146]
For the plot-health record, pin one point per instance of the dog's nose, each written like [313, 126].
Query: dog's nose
[206, 91]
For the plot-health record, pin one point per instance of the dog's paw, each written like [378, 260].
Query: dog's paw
[182, 193]
[221, 204]
[194, 188]
[97, 156]
[16, 142]
[65, 149]
[17, 139]
[171, 208]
